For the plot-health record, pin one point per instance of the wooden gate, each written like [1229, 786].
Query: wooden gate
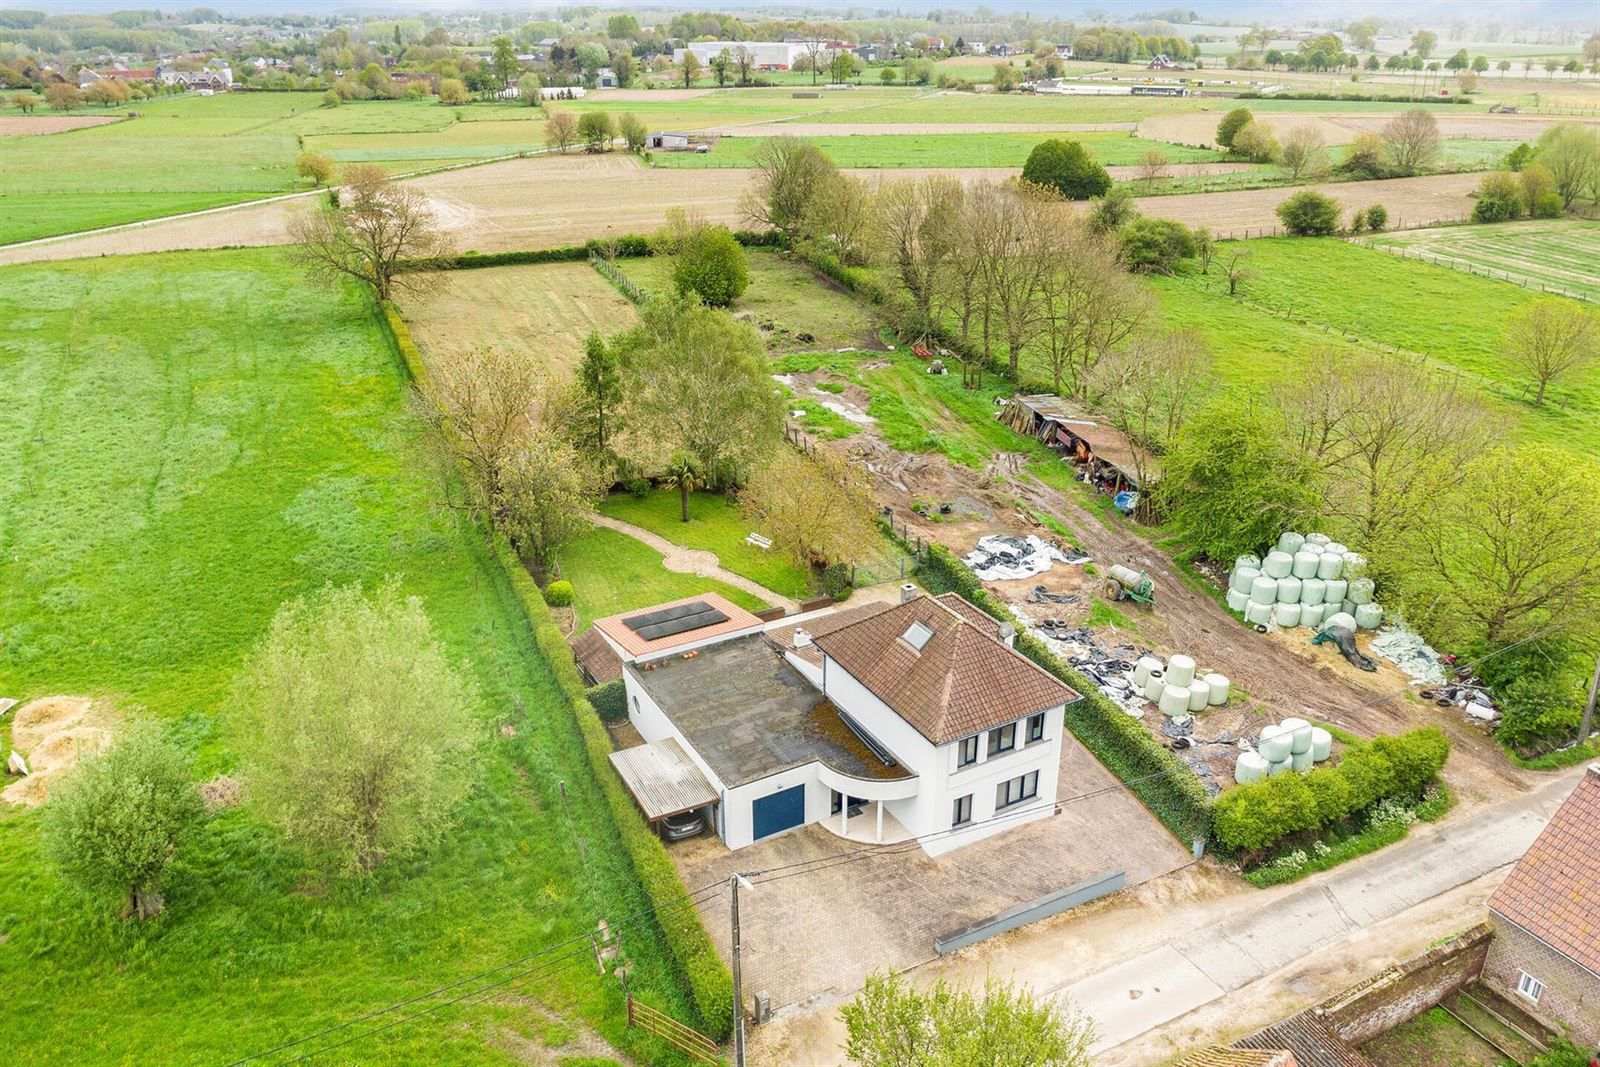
[686, 1040]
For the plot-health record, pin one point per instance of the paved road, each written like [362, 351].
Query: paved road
[1150, 989]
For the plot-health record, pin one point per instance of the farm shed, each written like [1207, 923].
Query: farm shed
[1102, 451]
[667, 141]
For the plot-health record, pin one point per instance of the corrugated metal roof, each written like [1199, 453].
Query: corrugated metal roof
[662, 778]
[1221, 1056]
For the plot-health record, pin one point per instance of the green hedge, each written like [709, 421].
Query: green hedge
[710, 983]
[629, 246]
[610, 700]
[1160, 780]
[1254, 818]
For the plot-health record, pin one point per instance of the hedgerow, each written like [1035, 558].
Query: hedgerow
[610, 700]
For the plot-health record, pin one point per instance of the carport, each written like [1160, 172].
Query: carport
[663, 779]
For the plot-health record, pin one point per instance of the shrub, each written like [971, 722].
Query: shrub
[1538, 183]
[558, 594]
[1309, 214]
[1358, 221]
[1414, 758]
[1330, 792]
[1257, 143]
[712, 265]
[596, 129]
[1377, 218]
[452, 92]
[1111, 212]
[1538, 712]
[1154, 246]
[1067, 168]
[1499, 198]
[330, 99]
[610, 700]
[1519, 157]
[836, 581]
[1364, 157]
[639, 488]
[1546, 206]
[1254, 817]
[1231, 124]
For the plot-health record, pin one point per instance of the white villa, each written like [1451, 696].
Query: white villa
[766, 55]
[881, 723]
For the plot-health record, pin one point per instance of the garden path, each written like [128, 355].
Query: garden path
[695, 561]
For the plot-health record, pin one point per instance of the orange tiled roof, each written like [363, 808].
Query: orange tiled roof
[962, 681]
[1554, 890]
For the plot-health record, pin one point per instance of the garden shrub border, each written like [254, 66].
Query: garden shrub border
[627, 246]
[709, 980]
[609, 700]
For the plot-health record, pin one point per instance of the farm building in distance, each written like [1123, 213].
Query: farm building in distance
[885, 722]
[767, 55]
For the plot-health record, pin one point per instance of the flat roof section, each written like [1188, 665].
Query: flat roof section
[749, 714]
[663, 779]
[649, 632]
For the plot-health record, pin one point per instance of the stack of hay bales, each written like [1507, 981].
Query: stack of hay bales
[1176, 687]
[1292, 745]
[1303, 581]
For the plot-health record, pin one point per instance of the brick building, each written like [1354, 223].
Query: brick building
[1546, 914]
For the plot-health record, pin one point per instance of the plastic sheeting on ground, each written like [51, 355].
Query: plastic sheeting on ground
[1411, 654]
[998, 558]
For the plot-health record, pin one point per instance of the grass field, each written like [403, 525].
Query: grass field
[941, 150]
[784, 299]
[715, 524]
[189, 440]
[611, 572]
[1561, 254]
[545, 310]
[1291, 318]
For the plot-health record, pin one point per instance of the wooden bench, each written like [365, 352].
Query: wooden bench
[759, 541]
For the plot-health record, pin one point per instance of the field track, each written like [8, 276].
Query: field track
[539, 203]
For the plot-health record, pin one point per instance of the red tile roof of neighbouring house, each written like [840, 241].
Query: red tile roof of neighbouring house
[964, 679]
[1554, 890]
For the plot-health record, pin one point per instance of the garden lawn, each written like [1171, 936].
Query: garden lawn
[785, 298]
[188, 441]
[1311, 289]
[611, 573]
[716, 525]
[941, 150]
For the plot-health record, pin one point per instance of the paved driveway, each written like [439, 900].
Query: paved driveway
[819, 933]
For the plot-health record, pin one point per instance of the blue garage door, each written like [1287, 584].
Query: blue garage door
[779, 812]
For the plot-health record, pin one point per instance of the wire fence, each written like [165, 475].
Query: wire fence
[613, 274]
[1456, 263]
[1399, 223]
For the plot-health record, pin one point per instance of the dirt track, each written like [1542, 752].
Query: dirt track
[544, 202]
[24, 125]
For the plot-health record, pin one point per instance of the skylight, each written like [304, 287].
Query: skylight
[917, 635]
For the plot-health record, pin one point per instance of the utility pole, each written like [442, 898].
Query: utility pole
[738, 995]
[1587, 724]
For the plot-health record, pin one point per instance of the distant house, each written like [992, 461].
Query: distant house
[884, 722]
[562, 92]
[1161, 62]
[1546, 915]
[1064, 51]
[87, 77]
[605, 78]
[218, 81]
[874, 52]
[667, 142]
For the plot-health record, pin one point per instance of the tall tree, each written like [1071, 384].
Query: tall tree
[819, 509]
[1572, 155]
[1509, 551]
[1412, 139]
[919, 217]
[504, 62]
[1009, 246]
[689, 69]
[356, 727]
[1088, 306]
[378, 226]
[1148, 387]
[600, 383]
[789, 173]
[1549, 338]
[697, 381]
[117, 819]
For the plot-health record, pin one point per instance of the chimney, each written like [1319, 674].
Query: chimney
[1008, 632]
[801, 638]
[908, 591]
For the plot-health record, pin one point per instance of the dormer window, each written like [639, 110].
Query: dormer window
[917, 635]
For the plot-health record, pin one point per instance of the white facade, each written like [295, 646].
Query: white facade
[923, 804]
[768, 55]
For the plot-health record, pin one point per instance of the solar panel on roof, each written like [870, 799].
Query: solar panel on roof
[668, 622]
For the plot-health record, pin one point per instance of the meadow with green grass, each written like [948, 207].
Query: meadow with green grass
[190, 440]
[1557, 254]
[941, 150]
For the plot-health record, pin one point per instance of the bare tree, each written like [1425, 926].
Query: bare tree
[1412, 140]
[1550, 337]
[1388, 433]
[745, 61]
[789, 173]
[1148, 388]
[1088, 305]
[560, 129]
[1303, 154]
[379, 225]
[1008, 245]
[1152, 167]
[815, 44]
[841, 217]
[919, 218]
[1236, 266]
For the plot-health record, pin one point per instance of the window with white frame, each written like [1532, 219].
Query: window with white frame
[961, 812]
[1529, 986]
[1003, 739]
[1036, 728]
[967, 753]
[1016, 790]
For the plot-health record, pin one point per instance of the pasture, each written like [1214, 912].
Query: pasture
[1556, 254]
[941, 150]
[545, 310]
[190, 440]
